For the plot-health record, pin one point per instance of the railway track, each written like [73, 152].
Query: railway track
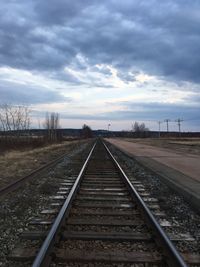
[19, 182]
[100, 219]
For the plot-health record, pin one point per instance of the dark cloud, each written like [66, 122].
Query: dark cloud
[19, 94]
[143, 111]
[158, 37]
[159, 111]
[126, 77]
[103, 69]
[65, 76]
[194, 98]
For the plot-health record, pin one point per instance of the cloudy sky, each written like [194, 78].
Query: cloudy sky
[100, 62]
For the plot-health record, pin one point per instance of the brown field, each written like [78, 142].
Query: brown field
[185, 145]
[16, 164]
[186, 142]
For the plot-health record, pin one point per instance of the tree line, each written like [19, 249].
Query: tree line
[15, 125]
[139, 130]
[14, 118]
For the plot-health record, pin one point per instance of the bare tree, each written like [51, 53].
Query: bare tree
[14, 123]
[86, 131]
[139, 129]
[136, 127]
[143, 128]
[14, 118]
[51, 124]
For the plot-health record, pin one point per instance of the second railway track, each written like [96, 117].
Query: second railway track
[102, 221]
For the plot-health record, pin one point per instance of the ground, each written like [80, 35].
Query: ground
[187, 145]
[16, 164]
[177, 162]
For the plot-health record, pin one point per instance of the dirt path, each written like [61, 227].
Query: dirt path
[185, 145]
[179, 170]
[188, 164]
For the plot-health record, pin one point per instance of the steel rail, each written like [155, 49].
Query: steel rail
[43, 256]
[16, 184]
[173, 258]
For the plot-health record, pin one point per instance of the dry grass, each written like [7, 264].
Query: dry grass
[16, 164]
[185, 145]
[187, 142]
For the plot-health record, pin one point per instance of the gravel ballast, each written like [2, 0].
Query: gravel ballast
[18, 207]
[179, 213]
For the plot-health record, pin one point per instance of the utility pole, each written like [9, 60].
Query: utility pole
[167, 121]
[179, 125]
[108, 129]
[159, 123]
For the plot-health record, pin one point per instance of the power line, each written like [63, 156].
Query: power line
[167, 121]
[154, 120]
[179, 125]
[159, 123]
